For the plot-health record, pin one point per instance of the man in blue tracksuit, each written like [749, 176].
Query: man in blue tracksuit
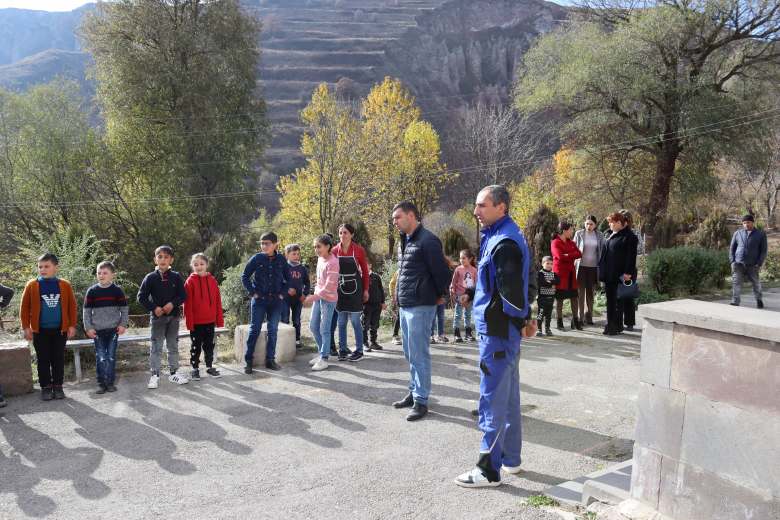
[502, 316]
[266, 278]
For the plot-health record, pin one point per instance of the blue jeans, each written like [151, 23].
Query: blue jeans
[460, 310]
[440, 317]
[415, 323]
[106, 342]
[357, 327]
[499, 402]
[295, 306]
[321, 316]
[263, 310]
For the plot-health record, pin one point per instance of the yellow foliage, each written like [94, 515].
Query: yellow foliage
[528, 195]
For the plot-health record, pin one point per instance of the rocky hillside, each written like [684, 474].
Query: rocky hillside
[449, 53]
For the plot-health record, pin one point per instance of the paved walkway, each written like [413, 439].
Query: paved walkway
[315, 445]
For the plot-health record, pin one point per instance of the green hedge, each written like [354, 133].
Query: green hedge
[688, 269]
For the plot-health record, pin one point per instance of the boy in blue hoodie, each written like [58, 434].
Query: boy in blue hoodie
[300, 283]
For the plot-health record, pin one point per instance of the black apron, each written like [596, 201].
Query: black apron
[350, 286]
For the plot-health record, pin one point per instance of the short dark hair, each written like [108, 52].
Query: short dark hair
[407, 206]
[547, 259]
[49, 257]
[291, 247]
[349, 227]
[498, 194]
[105, 264]
[748, 218]
[168, 250]
[270, 237]
[563, 226]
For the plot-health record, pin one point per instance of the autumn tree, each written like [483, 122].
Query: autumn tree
[669, 77]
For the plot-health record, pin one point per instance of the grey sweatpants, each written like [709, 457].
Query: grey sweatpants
[741, 273]
[165, 329]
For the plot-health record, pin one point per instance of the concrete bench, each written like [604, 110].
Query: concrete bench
[285, 343]
[15, 368]
[76, 345]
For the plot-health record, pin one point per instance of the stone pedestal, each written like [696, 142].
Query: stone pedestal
[285, 344]
[708, 419]
[15, 368]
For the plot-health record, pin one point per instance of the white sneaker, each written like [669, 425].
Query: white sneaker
[475, 479]
[320, 365]
[513, 470]
[154, 382]
[313, 361]
[179, 379]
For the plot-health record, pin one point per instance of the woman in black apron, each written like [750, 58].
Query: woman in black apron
[353, 292]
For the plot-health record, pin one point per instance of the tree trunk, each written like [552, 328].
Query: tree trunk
[666, 159]
[390, 239]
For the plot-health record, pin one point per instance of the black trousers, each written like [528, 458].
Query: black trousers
[614, 308]
[545, 304]
[629, 311]
[49, 347]
[370, 321]
[202, 338]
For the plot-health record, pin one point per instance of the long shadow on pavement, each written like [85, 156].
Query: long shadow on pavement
[51, 460]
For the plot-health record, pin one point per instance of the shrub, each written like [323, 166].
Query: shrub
[686, 269]
[649, 295]
[539, 231]
[713, 233]
[771, 269]
[453, 242]
[223, 253]
[665, 233]
[235, 299]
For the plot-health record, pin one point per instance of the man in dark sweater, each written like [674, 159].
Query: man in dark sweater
[372, 310]
[747, 254]
[162, 293]
[423, 282]
[300, 284]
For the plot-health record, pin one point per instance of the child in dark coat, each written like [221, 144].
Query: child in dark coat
[372, 311]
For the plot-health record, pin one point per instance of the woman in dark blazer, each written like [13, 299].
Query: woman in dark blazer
[618, 263]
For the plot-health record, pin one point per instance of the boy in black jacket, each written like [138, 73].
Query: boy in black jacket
[546, 282]
[162, 293]
[372, 310]
[300, 283]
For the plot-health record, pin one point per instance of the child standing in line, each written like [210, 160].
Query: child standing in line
[324, 298]
[464, 278]
[48, 316]
[6, 293]
[105, 316]
[300, 284]
[372, 310]
[202, 312]
[162, 294]
[546, 281]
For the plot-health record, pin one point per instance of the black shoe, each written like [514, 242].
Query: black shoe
[735, 304]
[469, 335]
[3, 402]
[298, 344]
[272, 365]
[376, 346]
[418, 412]
[343, 356]
[213, 372]
[101, 390]
[366, 347]
[589, 320]
[458, 339]
[248, 369]
[610, 332]
[575, 324]
[475, 413]
[58, 393]
[195, 374]
[629, 328]
[760, 304]
[334, 352]
[406, 402]
[549, 332]
[46, 394]
[559, 325]
[356, 356]
[110, 388]
[433, 340]
[539, 333]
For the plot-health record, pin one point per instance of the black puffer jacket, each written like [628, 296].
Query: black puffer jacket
[618, 256]
[423, 272]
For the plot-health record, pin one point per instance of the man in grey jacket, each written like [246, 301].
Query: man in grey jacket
[747, 254]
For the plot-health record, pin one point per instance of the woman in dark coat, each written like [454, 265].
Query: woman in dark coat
[564, 253]
[618, 263]
[628, 305]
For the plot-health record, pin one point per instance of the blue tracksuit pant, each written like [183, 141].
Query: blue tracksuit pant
[499, 403]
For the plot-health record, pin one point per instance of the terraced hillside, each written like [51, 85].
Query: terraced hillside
[308, 42]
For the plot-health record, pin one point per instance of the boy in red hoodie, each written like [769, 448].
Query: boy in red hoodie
[202, 312]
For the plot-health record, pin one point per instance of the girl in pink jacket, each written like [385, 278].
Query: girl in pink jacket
[324, 298]
[463, 279]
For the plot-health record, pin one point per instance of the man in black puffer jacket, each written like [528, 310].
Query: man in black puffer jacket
[423, 282]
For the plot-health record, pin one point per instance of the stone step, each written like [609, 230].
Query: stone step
[611, 485]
